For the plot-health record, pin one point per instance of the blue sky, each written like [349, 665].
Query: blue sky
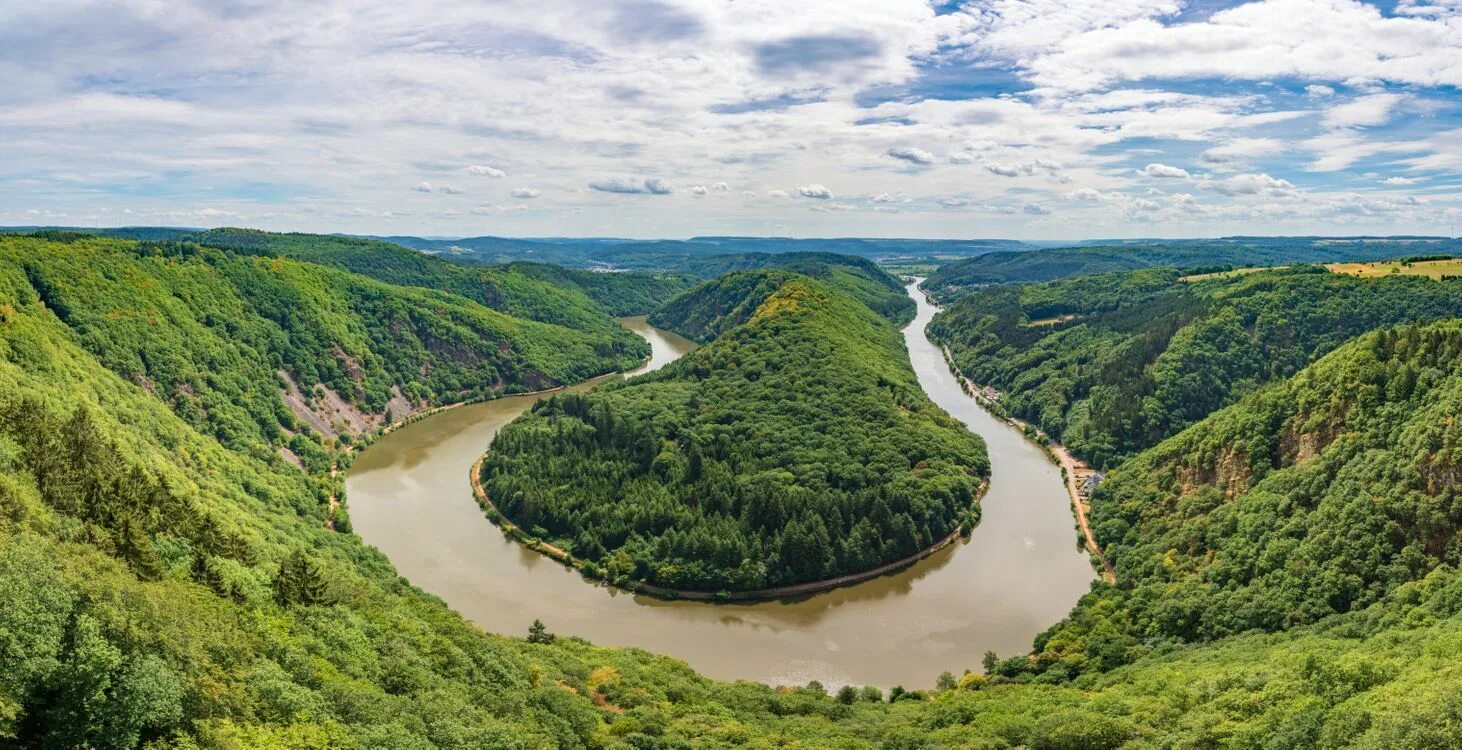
[1050, 119]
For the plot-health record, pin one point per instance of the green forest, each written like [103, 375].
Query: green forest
[1048, 264]
[797, 446]
[1288, 566]
[1112, 364]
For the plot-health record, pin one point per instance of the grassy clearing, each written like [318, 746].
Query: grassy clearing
[1433, 269]
[1230, 274]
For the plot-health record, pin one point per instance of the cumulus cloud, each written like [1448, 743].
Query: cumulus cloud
[1006, 170]
[1399, 181]
[911, 155]
[423, 187]
[525, 193]
[955, 202]
[699, 189]
[816, 191]
[776, 193]
[883, 198]
[721, 187]
[1249, 184]
[479, 170]
[649, 186]
[1035, 209]
[1163, 171]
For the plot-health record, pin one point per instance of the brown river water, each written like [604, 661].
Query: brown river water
[1020, 571]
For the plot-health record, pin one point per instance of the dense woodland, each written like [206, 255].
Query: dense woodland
[962, 276]
[1114, 363]
[729, 300]
[797, 446]
[160, 589]
[215, 334]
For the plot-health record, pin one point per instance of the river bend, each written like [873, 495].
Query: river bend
[1020, 571]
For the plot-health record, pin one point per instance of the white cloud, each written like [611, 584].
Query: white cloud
[883, 198]
[816, 191]
[479, 170]
[525, 193]
[1163, 171]
[721, 187]
[1399, 181]
[423, 187]
[1363, 111]
[955, 202]
[650, 186]
[911, 155]
[1249, 184]
[1035, 209]
[1006, 170]
[1319, 91]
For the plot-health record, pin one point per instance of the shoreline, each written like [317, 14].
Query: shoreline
[565, 558]
[1058, 453]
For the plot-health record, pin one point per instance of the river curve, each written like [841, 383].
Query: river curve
[1019, 572]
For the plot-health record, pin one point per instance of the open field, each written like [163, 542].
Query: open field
[1435, 269]
[1226, 274]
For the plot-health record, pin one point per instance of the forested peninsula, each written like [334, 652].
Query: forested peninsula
[796, 446]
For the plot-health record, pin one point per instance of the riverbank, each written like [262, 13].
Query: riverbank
[565, 558]
[1073, 469]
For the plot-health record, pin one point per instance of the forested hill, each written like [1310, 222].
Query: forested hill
[1323, 494]
[962, 276]
[797, 446]
[251, 349]
[158, 589]
[574, 299]
[1112, 364]
[724, 302]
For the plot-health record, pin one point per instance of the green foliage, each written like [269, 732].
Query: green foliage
[1198, 256]
[618, 293]
[220, 337]
[796, 447]
[1122, 361]
[528, 291]
[138, 557]
[1321, 495]
[744, 281]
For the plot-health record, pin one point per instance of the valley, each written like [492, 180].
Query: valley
[1019, 570]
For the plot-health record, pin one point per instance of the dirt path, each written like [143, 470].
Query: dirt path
[1071, 466]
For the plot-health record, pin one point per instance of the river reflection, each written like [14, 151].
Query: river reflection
[1018, 573]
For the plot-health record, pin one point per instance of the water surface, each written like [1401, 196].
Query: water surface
[1019, 572]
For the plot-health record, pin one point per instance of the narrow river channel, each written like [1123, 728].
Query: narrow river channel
[1019, 572]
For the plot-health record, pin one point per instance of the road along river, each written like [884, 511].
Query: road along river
[1020, 571]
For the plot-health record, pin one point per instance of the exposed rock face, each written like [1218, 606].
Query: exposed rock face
[327, 413]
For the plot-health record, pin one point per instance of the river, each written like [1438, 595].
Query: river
[1020, 571]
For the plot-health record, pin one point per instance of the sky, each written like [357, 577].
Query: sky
[1031, 119]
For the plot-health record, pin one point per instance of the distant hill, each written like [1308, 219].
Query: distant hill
[1048, 264]
[665, 254]
[728, 301]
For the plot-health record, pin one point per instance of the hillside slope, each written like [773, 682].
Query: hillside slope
[742, 282]
[1113, 364]
[962, 276]
[1323, 494]
[261, 349]
[796, 446]
[524, 291]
